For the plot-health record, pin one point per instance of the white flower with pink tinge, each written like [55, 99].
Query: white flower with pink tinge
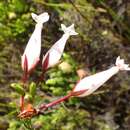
[33, 49]
[93, 82]
[53, 56]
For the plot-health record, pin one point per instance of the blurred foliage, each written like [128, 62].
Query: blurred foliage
[15, 19]
[61, 78]
[103, 28]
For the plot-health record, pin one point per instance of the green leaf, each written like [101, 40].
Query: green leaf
[18, 5]
[32, 89]
[51, 82]
[18, 88]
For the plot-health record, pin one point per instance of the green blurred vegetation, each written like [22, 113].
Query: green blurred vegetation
[104, 33]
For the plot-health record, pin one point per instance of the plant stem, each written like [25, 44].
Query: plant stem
[44, 107]
[53, 103]
[22, 103]
[24, 80]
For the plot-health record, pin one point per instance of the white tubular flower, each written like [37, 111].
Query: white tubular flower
[33, 48]
[93, 82]
[53, 56]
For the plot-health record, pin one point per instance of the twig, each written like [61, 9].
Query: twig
[46, 106]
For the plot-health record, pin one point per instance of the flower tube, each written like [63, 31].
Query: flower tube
[92, 83]
[53, 56]
[32, 51]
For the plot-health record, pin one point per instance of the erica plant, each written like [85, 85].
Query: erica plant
[31, 58]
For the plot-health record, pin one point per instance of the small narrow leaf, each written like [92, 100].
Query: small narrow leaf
[32, 89]
[18, 88]
[45, 62]
[25, 65]
[79, 92]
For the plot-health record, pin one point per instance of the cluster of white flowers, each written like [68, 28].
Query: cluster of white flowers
[32, 52]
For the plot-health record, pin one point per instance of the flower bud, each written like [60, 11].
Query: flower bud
[93, 82]
[33, 48]
[53, 56]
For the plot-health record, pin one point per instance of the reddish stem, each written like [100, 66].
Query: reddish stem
[43, 107]
[22, 103]
[24, 80]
